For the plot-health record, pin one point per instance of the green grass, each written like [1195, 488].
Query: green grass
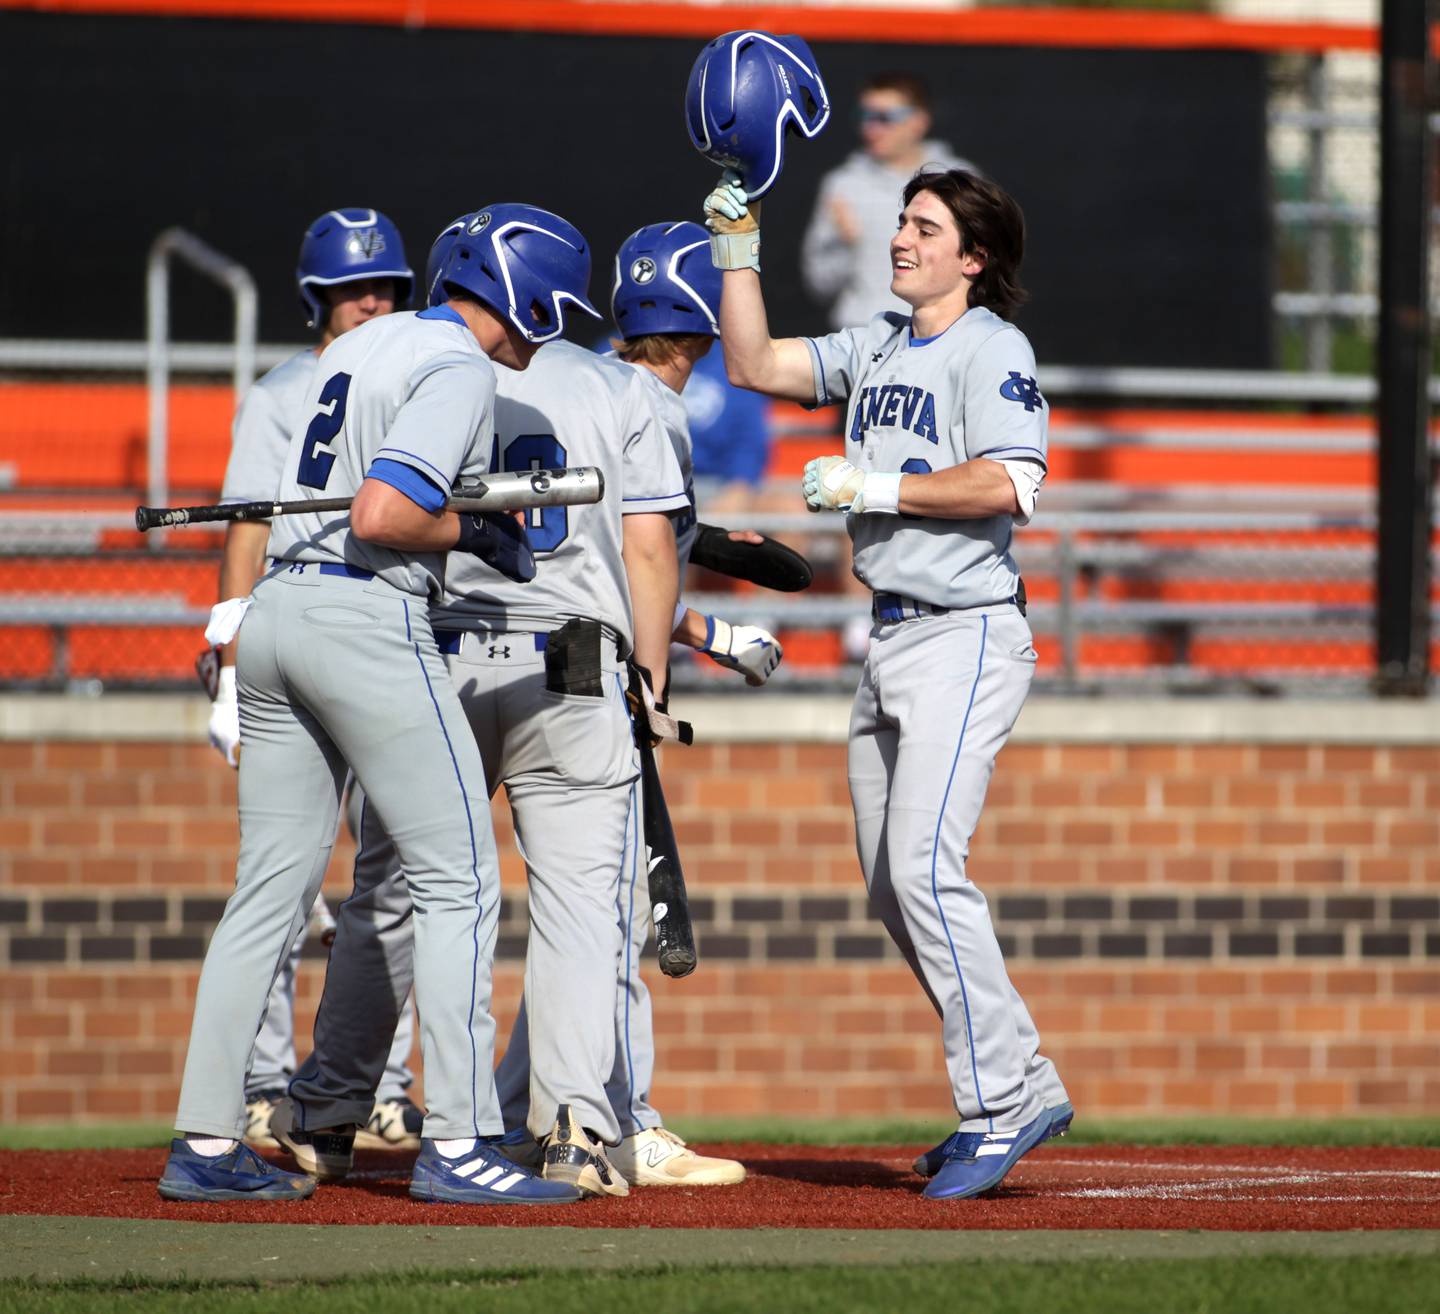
[1264, 1285]
[1086, 1131]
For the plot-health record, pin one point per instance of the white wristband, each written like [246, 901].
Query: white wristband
[881, 492]
[225, 685]
[735, 250]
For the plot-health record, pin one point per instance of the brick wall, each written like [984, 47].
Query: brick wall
[1197, 926]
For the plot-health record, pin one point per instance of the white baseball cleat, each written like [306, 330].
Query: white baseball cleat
[394, 1125]
[572, 1155]
[257, 1120]
[657, 1157]
[327, 1153]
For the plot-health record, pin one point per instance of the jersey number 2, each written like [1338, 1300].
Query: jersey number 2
[317, 460]
[548, 526]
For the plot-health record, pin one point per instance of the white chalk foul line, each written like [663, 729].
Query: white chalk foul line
[1276, 1171]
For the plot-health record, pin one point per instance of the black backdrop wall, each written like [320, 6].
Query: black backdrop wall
[1142, 173]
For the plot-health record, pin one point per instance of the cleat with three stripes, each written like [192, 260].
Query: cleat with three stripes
[482, 1176]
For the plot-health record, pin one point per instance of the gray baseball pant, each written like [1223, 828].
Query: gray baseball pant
[335, 670]
[936, 703]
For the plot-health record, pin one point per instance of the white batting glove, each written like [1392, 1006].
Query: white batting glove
[729, 201]
[831, 483]
[734, 225]
[225, 718]
[753, 652]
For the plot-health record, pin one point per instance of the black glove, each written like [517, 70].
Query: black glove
[771, 565]
[500, 541]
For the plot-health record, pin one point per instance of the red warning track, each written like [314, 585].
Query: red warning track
[1224, 1188]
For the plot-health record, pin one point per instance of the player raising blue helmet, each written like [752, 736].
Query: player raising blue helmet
[665, 282]
[525, 263]
[344, 246]
[745, 89]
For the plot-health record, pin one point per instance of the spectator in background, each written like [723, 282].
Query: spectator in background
[730, 428]
[845, 258]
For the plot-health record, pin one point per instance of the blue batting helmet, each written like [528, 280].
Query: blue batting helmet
[523, 262]
[665, 282]
[744, 90]
[435, 261]
[342, 246]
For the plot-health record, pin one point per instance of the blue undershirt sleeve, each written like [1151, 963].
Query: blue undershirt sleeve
[420, 490]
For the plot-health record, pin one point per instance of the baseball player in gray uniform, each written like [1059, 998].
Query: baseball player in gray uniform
[338, 664]
[539, 669]
[945, 452]
[351, 268]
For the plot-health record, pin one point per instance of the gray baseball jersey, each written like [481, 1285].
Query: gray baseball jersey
[264, 422]
[409, 388]
[953, 671]
[571, 408]
[677, 424]
[922, 405]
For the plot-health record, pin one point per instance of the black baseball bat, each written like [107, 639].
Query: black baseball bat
[577, 486]
[670, 907]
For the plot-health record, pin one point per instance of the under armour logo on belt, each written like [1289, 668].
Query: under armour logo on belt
[297, 568]
[1018, 388]
[499, 649]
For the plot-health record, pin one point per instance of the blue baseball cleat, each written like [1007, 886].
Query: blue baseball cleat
[980, 1160]
[484, 1176]
[239, 1174]
[930, 1163]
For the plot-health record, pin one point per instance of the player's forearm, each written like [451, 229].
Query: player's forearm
[383, 515]
[969, 491]
[691, 630]
[753, 359]
[241, 565]
[653, 571]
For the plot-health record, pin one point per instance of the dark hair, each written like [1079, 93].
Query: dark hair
[991, 224]
[907, 84]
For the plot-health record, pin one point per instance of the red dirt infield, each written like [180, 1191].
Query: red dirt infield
[1213, 1188]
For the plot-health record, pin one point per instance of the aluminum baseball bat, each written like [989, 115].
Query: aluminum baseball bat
[577, 486]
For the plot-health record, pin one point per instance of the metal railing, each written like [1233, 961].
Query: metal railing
[176, 243]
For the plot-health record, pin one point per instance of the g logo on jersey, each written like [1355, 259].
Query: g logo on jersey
[643, 270]
[1018, 388]
[479, 223]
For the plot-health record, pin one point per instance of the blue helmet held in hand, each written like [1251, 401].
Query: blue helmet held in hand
[525, 263]
[342, 246]
[745, 90]
[665, 282]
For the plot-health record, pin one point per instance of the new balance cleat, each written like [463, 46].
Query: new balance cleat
[257, 1120]
[483, 1177]
[326, 1153]
[930, 1163]
[394, 1125]
[980, 1161]
[238, 1174]
[658, 1157]
[573, 1155]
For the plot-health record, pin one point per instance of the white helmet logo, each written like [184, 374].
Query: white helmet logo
[479, 223]
[643, 270]
[366, 242]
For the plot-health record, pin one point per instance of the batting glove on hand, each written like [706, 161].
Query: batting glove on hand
[831, 483]
[225, 717]
[500, 541]
[727, 205]
[734, 224]
[753, 652]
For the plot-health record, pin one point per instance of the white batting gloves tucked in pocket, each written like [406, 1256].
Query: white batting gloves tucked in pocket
[225, 718]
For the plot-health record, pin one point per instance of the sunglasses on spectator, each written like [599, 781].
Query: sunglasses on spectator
[897, 114]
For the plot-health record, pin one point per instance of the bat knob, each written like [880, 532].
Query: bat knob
[145, 518]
